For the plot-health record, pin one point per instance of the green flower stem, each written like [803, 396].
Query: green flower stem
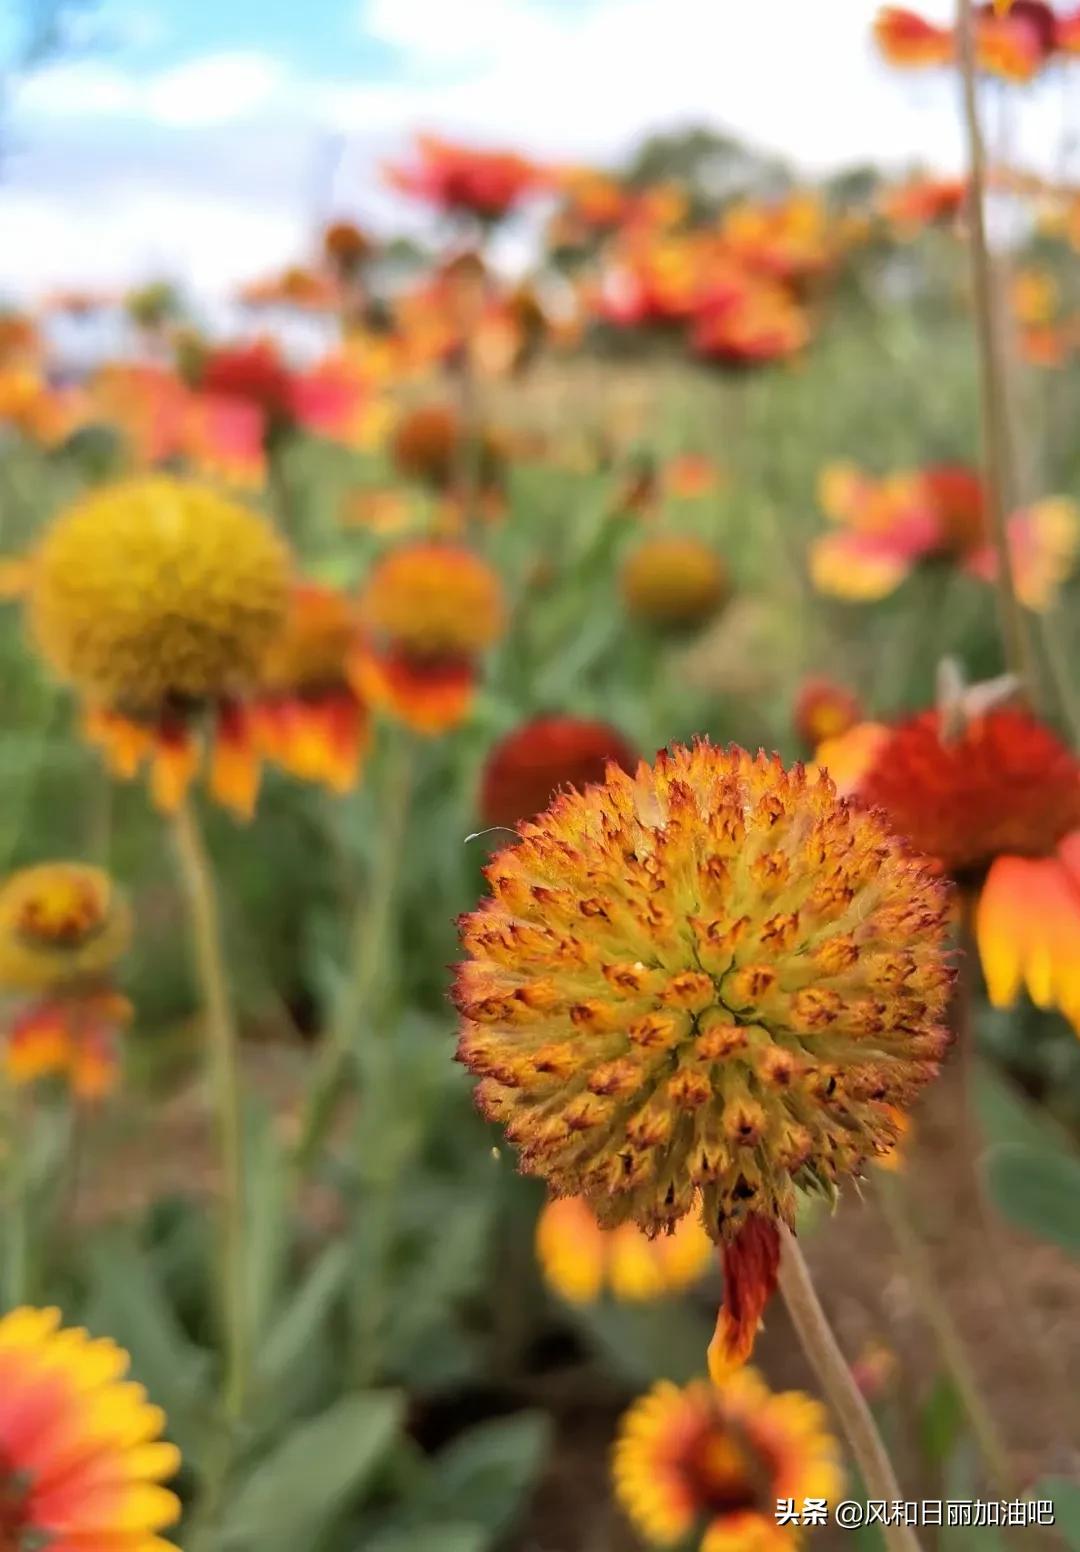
[352, 1024]
[222, 1060]
[835, 1378]
[993, 366]
[14, 1286]
[917, 1268]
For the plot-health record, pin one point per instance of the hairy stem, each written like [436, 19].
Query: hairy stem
[993, 379]
[835, 1377]
[222, 1053]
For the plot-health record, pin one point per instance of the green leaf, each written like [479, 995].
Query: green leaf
[127, 1302]
[1066, 1499]
[648, 1342]
[940, 1422]
[295, 1491]
[484, 1476]
[267, 1226]
[297, 1325]
[432, 1538]
[1038, 1191]
[1007, 1117]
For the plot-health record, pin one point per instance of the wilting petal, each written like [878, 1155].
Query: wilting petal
[751, 1267]
[1027, 927]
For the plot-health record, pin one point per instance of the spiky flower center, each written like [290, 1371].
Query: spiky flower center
[714, 979]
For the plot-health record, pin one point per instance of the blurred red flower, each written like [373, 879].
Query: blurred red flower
[524, 770]
[459, 179]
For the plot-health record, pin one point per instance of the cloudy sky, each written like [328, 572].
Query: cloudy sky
[202, 138]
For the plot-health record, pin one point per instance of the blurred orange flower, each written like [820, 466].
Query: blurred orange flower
[824, 709]
[429, 610]
[921, 202]
[581, 1260]
[306, 716]
[1013, 43]
[63, 928]
[890, 525]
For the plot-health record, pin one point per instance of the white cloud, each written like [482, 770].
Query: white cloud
[574, 79]
[211, 89]
[134, 231]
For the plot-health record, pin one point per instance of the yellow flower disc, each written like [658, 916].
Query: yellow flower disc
[59, 922]
[156, 590]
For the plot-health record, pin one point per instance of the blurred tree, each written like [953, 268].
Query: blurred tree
[854, 185]
[714, 167]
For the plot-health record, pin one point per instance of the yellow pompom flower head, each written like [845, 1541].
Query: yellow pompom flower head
[63, 927]
[81, 1453]
[713, 982]
[156, 598]
[718, 1459]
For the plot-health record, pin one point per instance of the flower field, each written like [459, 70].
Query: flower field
[540, 864]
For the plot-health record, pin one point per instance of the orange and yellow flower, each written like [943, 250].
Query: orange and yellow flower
[332, 399]
[81, 1454]
[581, 1260]
[889, 526]
[63, 927]
[1013, 43]
[156, 599]
[824, 710]
[162, 419]
[919, 202]
[429, 611]
[907, 40]
[761, 324]
[714, 1460]
[306, 716]
[790, 239]
[996, 802]
[703, 986]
